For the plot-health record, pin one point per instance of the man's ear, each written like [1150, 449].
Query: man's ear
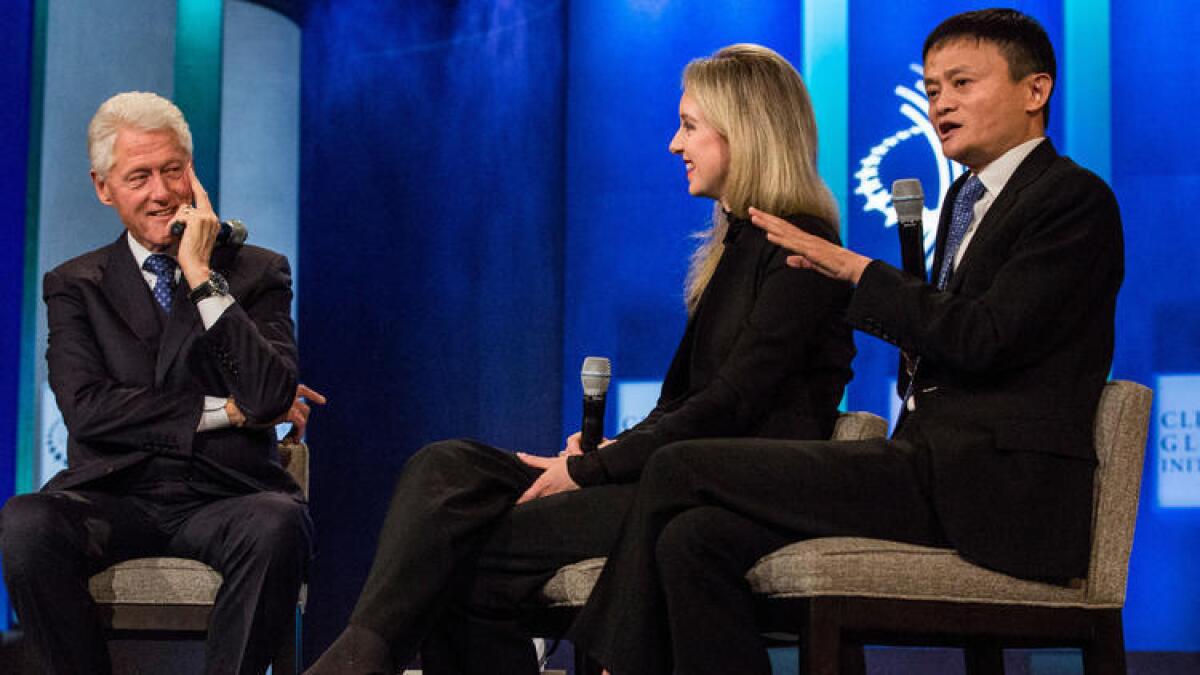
[102, 192]
[1038, 88]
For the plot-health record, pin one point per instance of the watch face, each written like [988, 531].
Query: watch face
[220, 285]
[214, 285]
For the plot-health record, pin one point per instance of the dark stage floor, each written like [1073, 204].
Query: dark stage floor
[148, 657]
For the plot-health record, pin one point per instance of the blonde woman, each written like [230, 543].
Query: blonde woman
[474, 531]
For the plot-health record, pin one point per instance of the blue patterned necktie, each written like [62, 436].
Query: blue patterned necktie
[163, 267]
[960, 218]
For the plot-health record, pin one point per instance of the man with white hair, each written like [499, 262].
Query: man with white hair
[171, 359]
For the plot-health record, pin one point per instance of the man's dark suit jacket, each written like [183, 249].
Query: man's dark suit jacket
[130, 380]
[1014, 355]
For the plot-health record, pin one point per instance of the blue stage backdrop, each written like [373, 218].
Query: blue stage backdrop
[487, 197]
[1157, 179]
[629, 215]
[15, 72]
[431, 216]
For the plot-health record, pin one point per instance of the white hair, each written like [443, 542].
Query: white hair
[137, 109]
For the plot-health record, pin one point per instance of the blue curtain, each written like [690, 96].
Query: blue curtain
[15, 73]
[431, 215]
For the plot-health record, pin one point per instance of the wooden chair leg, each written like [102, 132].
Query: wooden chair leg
[821, 650]
[984, 658]
[852, 659]
[1105, 653]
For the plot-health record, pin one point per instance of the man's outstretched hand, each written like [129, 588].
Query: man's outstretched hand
[297, 414]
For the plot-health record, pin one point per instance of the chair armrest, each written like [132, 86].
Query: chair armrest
[293, 455]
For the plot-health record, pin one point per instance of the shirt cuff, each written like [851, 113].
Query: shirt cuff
[214, 415]
[212, 307]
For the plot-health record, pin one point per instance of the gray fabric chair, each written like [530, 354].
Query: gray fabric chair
[174, 596]
[568, 589]
[838, 594]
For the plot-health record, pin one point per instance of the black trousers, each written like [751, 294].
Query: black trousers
[673, 597]
[456, 559]
[52, 542]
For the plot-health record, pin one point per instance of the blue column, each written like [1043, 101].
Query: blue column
[1087, 63]
[198, 84]
[26, 53]
[827, 73]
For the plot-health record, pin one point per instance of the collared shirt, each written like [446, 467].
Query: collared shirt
[210, 309]
[994, 177]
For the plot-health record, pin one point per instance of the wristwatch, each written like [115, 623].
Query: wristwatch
[215, 285]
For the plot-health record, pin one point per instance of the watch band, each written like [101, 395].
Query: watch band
[214, 285]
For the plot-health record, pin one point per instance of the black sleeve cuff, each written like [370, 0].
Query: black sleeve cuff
[586, 470]
[873, 305]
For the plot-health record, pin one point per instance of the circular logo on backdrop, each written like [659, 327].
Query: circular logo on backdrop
[55, 449]
[915, 133]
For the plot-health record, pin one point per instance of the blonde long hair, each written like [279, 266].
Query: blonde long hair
[756, 100]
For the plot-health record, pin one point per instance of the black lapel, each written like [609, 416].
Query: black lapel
[126, 290]
[1028, 171]
[183, 321]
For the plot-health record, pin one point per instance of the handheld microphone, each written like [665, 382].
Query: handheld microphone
[594, 375]
[232, 232]
[909, 202]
